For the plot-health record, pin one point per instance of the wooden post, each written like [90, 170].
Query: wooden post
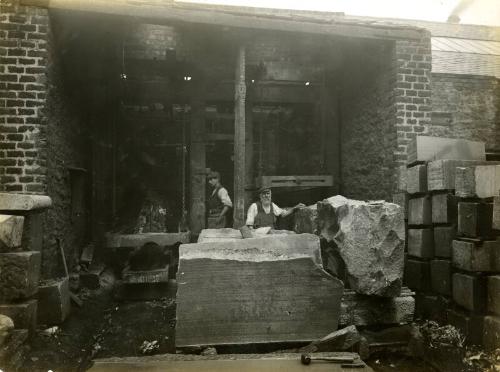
[249, 174]
[239, 140]
[197, 159]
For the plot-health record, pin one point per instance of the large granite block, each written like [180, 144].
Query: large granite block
[19, 275]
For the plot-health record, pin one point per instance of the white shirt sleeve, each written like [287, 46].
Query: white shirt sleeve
[252, 212]
[277, 210]
[224, 197]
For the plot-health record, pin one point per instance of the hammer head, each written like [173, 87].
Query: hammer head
[305, 359]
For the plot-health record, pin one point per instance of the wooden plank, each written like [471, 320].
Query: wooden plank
[474, 219]
[441, 174]
[425, 148]
[419, 211]
[170, 11]
[255, 290]
[482, 181]
[138, 240]
[444, 208]
[239, 140]
[416, 179]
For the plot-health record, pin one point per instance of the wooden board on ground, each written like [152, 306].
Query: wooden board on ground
[482, 181]
[425, 148]
[281, 362]
[138, 240]
[258, 290]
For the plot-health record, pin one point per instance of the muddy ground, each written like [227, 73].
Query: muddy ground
[107, 327]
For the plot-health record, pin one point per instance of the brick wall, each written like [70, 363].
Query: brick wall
[466, 106]
[23, 57]
[413, 92]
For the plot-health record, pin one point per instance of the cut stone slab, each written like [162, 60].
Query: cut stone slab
[441, 276]
[443, 238]
[138, 240]
[340, 340]
[494, 294]
[256, 290]
[420, 243]
[496, 213]
[401, 199]
[482, 181]
[470, 292]
[19, 275]
[361, 310]
[23, 202]
[54, 304]
[474, 219]
[219, 235]
[13, 344]
[471, 325]
[417, 179]
[491, 338]
[418, 275]
[33, 230]
[475, 256]
[24, 314]
[11, 232]
[444, 208]
[427, 148]
[419, 211]
[402, 178]
[370, 239]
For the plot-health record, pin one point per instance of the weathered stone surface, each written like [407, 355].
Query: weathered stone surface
[342, 339]
[491, 338]
[33, 230]
[24, 314]
[417, 179]
[138, 240]
[475, 256]
[306, 220]
[23, 202]
[443, 238]
[494, 294]
[11, 232]
[6, 325]
[19, 274]
[427, 148]
[420, 243]
[362, 310]
[441, 276]
[255, 290]
[14, 345]
[418, 275]
[54, 304]
[471, 325]
[370, 238]
[469, 292]
[441, 174]
[431, 306]
[219, 235]
[402, 178]
[444, 208]
[482, 181]
[401, 199]
[419, 211]
[474, 219]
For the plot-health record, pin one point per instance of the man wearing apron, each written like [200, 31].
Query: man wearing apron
[219, 204]
[264, 212]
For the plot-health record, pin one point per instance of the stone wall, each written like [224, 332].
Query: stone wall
[466, 106]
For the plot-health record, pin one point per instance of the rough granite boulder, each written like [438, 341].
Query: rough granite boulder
[370, 239]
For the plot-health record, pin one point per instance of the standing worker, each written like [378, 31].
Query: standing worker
[264, 212]
[219, 203]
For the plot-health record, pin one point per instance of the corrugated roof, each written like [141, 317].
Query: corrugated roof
[449, 62]
[449, 44]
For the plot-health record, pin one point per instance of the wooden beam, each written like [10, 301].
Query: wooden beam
[249, 171]
[239, 140]
[170, 11]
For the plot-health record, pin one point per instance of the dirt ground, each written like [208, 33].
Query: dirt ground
[107, 327]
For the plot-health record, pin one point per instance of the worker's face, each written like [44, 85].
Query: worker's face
[265, 197]
[212, 181]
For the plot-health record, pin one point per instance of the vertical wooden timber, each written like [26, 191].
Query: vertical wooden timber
[249, 175]
[197, 158]
[239, 140]
[331, 134]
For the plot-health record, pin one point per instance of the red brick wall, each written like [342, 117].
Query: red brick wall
[23, 60]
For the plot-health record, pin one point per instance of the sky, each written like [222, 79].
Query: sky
[482, 12]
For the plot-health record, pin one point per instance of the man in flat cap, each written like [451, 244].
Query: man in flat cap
[219, 203]
[264, 212]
